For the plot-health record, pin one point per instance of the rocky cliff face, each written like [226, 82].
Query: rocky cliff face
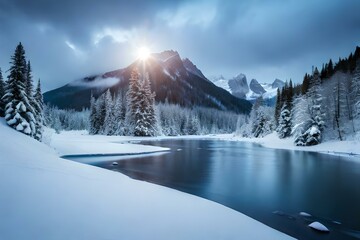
[256, 87]
[239, 86]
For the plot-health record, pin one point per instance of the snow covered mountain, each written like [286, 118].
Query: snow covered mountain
[173, 79]
[239, 87]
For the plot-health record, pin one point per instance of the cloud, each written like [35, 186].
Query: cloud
[97, 82]
[117, 35]
[67, 40]
[192, 13]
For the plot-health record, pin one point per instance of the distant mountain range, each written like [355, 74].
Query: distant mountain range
[173, 79]
[239, 87]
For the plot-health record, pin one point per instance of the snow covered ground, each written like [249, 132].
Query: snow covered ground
[81, 143]
[78, 142]
[45, 197]
[348, 148]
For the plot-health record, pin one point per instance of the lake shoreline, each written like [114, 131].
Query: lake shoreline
[77, 143]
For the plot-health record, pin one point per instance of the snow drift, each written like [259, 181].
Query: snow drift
[45, 197]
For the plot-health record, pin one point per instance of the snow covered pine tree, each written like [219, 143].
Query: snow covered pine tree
[109, 121]
[313, 134]
[140, 115]
[2, 93]
[19, 113]
[284, 128]
[285, 118]
[39, 108]
[93, 125]
[147, 105]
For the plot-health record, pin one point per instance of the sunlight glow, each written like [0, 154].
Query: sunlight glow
[143, 53]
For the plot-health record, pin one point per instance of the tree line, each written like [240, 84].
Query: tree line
[130, 114]
[66, 119]
[259, 123]
[325, 106]
[134, 113]
[20, 103]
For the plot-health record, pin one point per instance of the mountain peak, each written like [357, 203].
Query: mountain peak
[241, 76]
[239, 86]
[277, 83]
[256, 87]
[166, 55]
[254, 81]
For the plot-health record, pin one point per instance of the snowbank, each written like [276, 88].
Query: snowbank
[348, 148]
[45, 197]
[81, 143]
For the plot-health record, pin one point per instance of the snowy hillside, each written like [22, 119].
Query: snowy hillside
[45, 197]
[247, 91]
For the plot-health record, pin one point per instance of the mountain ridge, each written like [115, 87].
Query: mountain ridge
[239, 87]
[173, 79]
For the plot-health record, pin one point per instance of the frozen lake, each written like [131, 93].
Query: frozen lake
[269, 185]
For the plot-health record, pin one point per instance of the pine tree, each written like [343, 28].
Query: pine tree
[2, 93]
[301, 119]
[119, 114]
[149, 108]
[140, 115]
[30, 93]
[316, 108]
[284, 92]
[284, 128]
[323, 71]
[93, 126]
[145, 126]
[109, 121]
[290, 94]
[263, 123]
[19, 112]
[133, 114]
[341, 107]
[284, 113]
[261, 119]
[330, 69]
[277, 107]
[305, 84]
[39, 108]
[100, 114]
[312, 134]
[29, 86]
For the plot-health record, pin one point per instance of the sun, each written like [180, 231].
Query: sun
[143, 53]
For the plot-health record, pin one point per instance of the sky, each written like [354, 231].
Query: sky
[264, 39]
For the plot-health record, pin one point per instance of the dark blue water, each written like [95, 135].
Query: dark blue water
[271, 186]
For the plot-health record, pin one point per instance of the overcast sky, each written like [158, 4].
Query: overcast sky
[68, 39]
